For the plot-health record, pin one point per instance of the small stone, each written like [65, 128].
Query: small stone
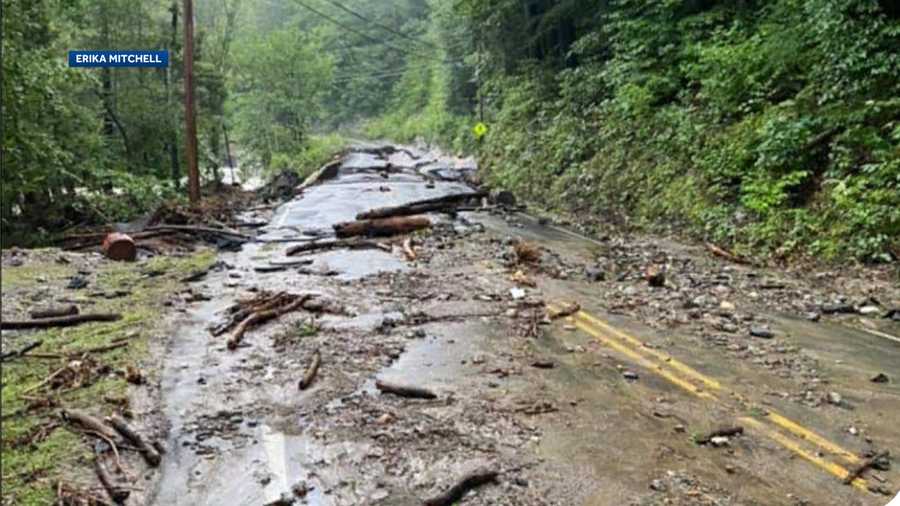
[880, 378]
[594, 274]
[681, 429]
[630, 375]
[853, 431]
[761, 332]
[868, 310]
[726, 306]
[384, 419]
[719, 441]
[835, 398]
[730, 469]
[517, 293]
[658, 486]
[837, 308]
[812, 316]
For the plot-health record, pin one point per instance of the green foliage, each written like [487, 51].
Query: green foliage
[772, 128]
[31, 470]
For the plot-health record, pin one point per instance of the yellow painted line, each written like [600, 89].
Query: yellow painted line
[685, 369]
[607, 334]
[804, 433]
[643, 361]
[776, 418]
[831, 467]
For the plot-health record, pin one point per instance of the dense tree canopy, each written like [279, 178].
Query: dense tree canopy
[769, 126]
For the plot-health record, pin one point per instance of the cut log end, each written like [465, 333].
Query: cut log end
[117, 246]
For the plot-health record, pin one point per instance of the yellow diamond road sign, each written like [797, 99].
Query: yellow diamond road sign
[479, 129]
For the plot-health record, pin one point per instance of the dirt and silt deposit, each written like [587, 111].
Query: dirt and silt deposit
[485, 357]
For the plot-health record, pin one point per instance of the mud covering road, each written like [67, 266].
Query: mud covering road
[607, 405]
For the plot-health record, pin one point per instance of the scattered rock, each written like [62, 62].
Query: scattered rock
[517, 293]
[503, 198]
[762, 332]
[630, 375]
[869, 310]
[834, 398]
[658, 486]
[840, 307]
[655, 276]
[813, 316]
[880, 378]
[719, 441]
[594, 274]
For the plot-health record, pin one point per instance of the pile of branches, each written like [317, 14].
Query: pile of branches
[249, 313]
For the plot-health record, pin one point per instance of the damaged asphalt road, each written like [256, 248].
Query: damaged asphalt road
[613, 402]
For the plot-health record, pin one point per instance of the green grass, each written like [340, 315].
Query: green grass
[30, 471]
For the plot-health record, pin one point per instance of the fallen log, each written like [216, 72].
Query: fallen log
[54, 312]
[381, 227]
[727, 255]
[722, 432]
[446, 202]
[147, 451]
[857, 471]
[336, 244]
[291, 263]
[198, 230]
[311, 371]
[18, 353]
[116, 492]
[404, 390]
[468, 482]
[62, 321]
[261, 316]
[88, 422]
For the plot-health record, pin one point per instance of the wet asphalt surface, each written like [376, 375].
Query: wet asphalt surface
[588, 427]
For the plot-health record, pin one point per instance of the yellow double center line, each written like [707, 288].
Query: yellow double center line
[704, 387]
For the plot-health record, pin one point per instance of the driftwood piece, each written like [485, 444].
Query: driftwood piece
[196, 229]
[18, 353]
[62, 321]
[336, 244]
[54, 312]
[116, 492]
[857, 471]
[261, 316]
[291, 263]
[727, 255]
[147, 450]
[384, 227]
[408, 250]
[468, 482]
[88, 422]
[411, 391]
[421, 206]
[265, 269]
[721, 432]
[311, 371]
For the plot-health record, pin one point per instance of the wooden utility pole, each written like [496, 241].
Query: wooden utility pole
[190, 127]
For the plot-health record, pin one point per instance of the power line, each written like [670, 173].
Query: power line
[377, 24]
[395, 73]
[350, 29]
